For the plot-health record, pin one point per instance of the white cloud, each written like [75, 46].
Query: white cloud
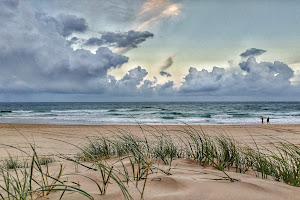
[259, 79]
[128, 85]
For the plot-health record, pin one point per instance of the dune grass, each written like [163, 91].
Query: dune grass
[152, 153]
[31, 180]
[220, 151]
[18, 182]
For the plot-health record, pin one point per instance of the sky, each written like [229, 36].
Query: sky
[149, 50]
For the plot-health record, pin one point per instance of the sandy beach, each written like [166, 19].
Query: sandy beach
[189, 180]
[42, 134]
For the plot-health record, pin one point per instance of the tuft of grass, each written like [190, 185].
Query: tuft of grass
[165, 149]
[12, 163]
[45, 160]
[99, 148]
[106, 170]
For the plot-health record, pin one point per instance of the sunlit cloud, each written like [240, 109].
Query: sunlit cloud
[154, 11]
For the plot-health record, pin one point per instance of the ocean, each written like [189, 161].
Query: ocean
[151, 113]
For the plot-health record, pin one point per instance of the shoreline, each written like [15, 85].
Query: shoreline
[155, 124]
[147, 125]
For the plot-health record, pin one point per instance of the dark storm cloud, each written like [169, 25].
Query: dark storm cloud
[252, 52]
[127, 39]
[65, 25]
[94, 42]
[71, 24]
[73, 40]
[130, 39]
[38, 58]
[162, 73]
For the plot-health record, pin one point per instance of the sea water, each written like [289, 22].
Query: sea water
[151, 113]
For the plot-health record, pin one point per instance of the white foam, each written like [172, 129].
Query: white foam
[22, 111]
[154, 115]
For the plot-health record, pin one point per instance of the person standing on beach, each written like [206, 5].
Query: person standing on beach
[262, 120]
[268, 120]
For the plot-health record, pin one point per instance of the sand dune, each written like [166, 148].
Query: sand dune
[188, 179]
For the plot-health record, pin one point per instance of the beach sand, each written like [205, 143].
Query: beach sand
[189, 180]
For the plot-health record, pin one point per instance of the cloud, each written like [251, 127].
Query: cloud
[72, 23]
[134, 84]
[8, 7]
[150, 88]
[94, 42]
[73, 40]
[168, 62]
[162, 73]
[101, 13]
[261, 79]
[147, 88]
[203, 81]
[275, 75]
[252, 52]
[36, 57]
[116, 14]
[153, 12]
[11, 4]
[166, 89]
[128, 40]
[65, 25]
[128, 84]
